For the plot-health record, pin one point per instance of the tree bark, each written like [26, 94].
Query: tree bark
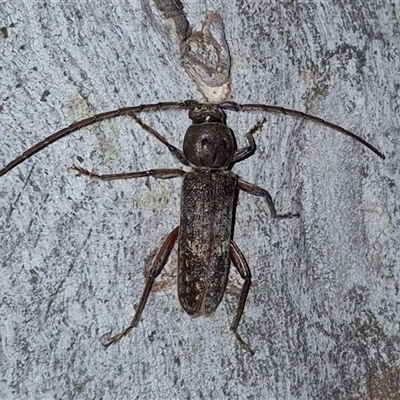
[323, 311]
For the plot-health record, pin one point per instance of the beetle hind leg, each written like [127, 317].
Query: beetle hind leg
[159, 262]
[240, 264]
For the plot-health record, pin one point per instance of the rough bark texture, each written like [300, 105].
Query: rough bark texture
[323, 311]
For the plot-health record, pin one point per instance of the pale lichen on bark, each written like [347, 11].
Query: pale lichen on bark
[204, 55]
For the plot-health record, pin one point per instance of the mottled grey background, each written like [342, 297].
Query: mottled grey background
[323, 311]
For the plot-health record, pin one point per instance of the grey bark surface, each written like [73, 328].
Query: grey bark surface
[323, 310]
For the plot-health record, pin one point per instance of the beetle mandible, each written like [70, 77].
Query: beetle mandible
[209, 190]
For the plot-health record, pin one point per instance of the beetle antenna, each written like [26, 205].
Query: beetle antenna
[86, 122]
[232, 106]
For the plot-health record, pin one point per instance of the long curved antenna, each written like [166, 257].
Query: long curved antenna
[89, 121]
[232, 106]
[188, 104]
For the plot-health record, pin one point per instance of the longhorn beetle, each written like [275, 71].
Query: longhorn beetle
[208, 196]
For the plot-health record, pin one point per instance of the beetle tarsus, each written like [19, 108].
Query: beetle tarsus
[288, 215]
[244, 344]
[113, 339]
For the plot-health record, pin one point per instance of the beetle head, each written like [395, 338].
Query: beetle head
[206, 113]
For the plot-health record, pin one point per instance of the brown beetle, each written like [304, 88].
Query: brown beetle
[208, 197]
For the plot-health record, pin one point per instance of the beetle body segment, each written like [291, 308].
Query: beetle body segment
[209, 145]
[207, 208]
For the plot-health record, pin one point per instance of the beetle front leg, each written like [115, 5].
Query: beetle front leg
[245, 152]
[158, 265]
[259, 191]
[176, 153]
[240, 263]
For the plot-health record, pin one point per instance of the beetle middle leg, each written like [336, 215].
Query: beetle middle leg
[255, 190]
[166, 173]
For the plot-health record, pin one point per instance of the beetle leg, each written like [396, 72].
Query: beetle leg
[247, 151]
[155, 173]
[259, 191]
[178, 154]
[240, 264]
[159, 262]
